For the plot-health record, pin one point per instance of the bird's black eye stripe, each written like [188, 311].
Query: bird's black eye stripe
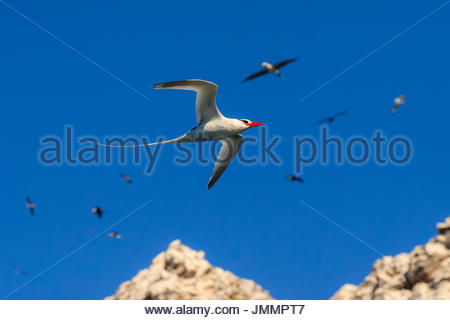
[244, 121]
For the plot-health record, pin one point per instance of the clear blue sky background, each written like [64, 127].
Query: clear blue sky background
[252, 222]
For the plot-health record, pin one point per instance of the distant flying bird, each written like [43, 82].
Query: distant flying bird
[17, 271]
[295, 178]
[332, 118]
[98, 211]
[126, 178]
[30, 205]
[272, 68]
[211, 124]
[397, 102]
[115, 235]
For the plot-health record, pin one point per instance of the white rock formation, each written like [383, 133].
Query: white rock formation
[182, 273]
[422, 274]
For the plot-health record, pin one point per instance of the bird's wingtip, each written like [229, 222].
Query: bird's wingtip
[184, 83]
[210, 184]
[164, 84]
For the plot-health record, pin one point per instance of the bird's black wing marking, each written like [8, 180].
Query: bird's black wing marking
[283, 63]
[342, 113]
[324, 120]
[257, 74]
[332, 118]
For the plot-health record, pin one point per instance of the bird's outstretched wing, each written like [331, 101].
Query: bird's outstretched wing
[205, 104]
[283, 63]
[230, 147]
[339, 114]
[256, 74]
[324, 120]
[395, 107]
[331, 118]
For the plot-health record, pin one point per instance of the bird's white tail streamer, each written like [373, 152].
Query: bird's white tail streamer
[136, 145]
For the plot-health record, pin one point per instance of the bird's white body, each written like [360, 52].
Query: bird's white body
[271, 68]
[211, 124]
[216, 129]
[115, 235]
[399, 100]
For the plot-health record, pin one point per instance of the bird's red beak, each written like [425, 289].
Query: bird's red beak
[255, 124]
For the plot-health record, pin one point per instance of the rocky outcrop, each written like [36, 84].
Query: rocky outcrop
[182, 273]
[422, 274]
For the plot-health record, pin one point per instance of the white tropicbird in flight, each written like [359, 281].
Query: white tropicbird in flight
[211, 124]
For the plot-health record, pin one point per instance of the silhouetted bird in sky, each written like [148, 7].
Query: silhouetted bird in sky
[126, 178]
[30, 205]
[332, 118]
[272, 68]
[397, 102]
[295, 178]
[115, 235]
[17, 271]
[98, 211]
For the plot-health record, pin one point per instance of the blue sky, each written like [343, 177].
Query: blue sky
[252, 221]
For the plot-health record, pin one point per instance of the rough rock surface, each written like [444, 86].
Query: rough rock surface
[182, 273]
[422, 274]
